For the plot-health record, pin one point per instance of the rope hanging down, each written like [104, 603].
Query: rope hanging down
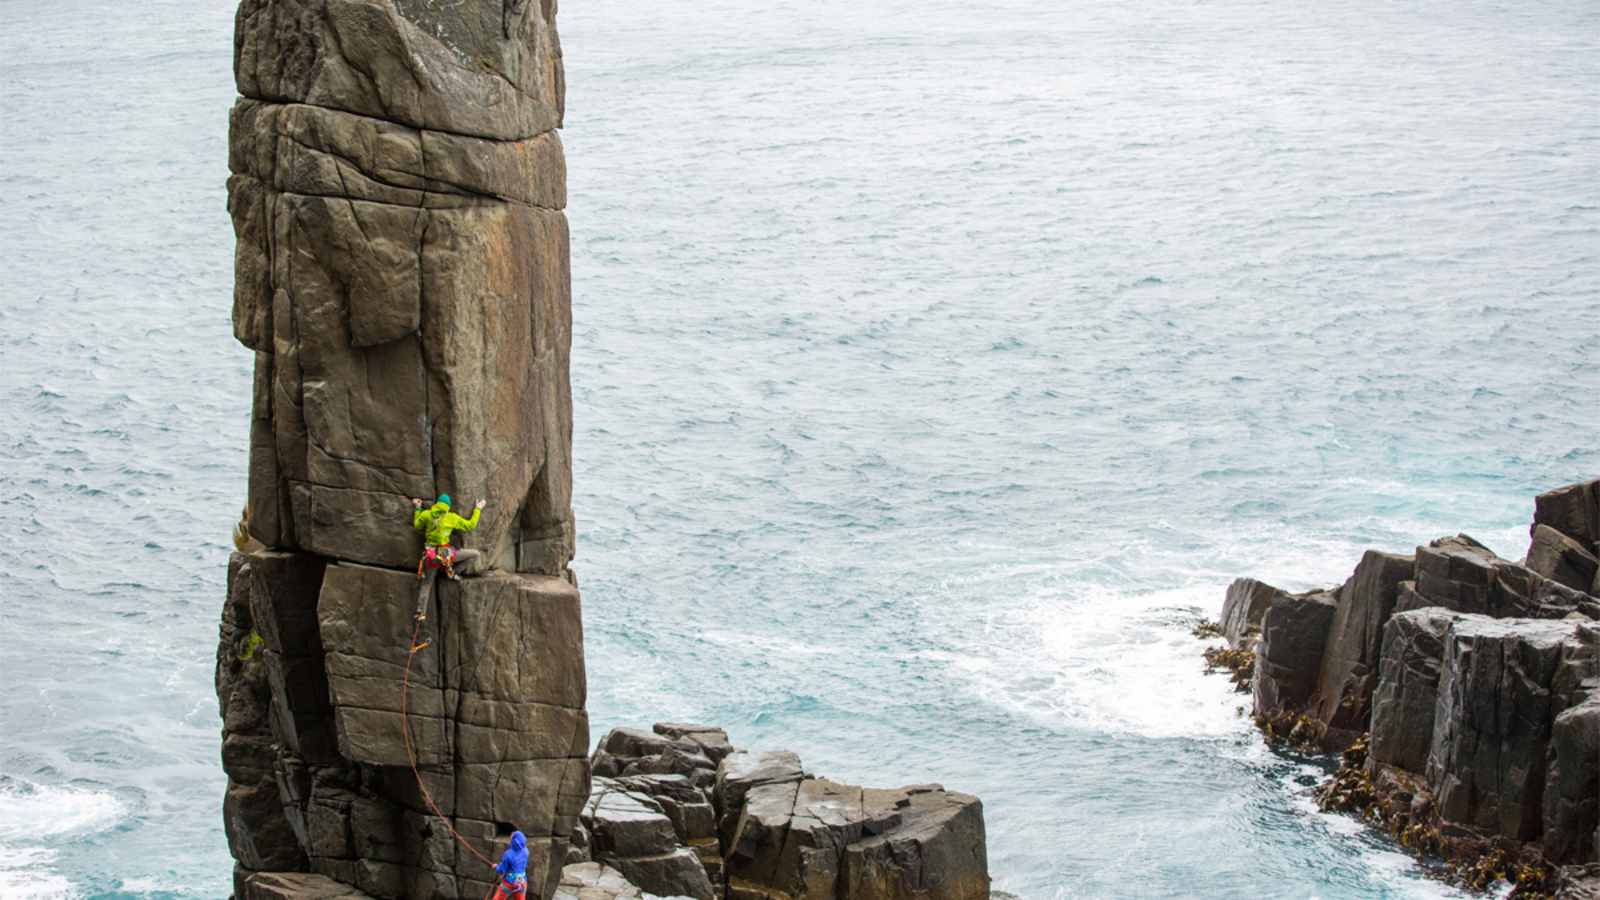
[405, 727]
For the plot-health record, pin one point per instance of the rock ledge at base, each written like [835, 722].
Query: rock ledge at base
[678, 811]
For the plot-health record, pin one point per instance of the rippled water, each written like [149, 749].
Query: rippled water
[936, 364]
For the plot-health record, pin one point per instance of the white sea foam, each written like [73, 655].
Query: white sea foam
[25, 874]
[31, 813]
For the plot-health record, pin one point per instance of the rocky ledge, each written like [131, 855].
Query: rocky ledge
[1462, 688]
[680, 811]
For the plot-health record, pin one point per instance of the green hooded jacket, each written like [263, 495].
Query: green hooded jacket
[437, 523]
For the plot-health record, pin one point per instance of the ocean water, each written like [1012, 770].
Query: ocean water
[936, 366]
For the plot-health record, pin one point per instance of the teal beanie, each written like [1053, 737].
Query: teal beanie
[445, 499]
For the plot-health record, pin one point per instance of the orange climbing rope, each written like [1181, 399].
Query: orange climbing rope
[405, 727]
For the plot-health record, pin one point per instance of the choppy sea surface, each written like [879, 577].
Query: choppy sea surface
[937, 365]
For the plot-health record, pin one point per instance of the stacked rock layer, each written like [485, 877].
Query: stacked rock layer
[681, 812]
[1478, 678]
[402, 274]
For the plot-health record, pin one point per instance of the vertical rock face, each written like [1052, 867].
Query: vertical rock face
[1294, 633]
[1478, 678]
[1350, 663]
[402, 275]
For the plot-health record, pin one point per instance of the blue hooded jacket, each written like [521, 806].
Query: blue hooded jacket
[514, 862]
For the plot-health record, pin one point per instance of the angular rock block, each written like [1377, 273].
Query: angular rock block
[1294, 634]
[1573, 510]
[1572, 793]
[1407, 693]
[1488, 760]
[817, 838]
[1461, 575]
[1355, 638]
[744, 771]
[1562, 559]
[595, 881]
[1244, 608]
[295, 886]
[630, 831]
[402, 271]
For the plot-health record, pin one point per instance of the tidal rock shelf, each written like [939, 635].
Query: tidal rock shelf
[1463, 689]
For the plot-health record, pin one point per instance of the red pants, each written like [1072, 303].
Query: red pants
[510, 892]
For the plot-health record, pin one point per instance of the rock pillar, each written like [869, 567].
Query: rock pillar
[402, 276]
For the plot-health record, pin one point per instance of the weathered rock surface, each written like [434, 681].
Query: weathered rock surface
[1294, 633]
[1497, 699]
[294, 886]
[595, 881]
[765, 829]
[402, 275]
[1407, 694]
[1349, 668]
[1243, 610]
[1477, 678]
[1562, 559]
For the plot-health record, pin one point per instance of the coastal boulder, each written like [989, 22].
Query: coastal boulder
[1407, 692]
[1294, 634]
[1355, 638]
[1573, 510]
[595, 881]
[818, 838]
[1562, 559]
[1492, 724]
[1243, 610]
[1572, 793]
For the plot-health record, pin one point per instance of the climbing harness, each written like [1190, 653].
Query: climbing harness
[405, 728]
[441, 557]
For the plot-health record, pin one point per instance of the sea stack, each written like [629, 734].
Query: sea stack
[402, 275]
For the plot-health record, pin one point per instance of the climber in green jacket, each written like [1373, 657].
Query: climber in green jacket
[437, 523]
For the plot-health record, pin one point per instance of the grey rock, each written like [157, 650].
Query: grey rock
[1408, 688]
[1294, 635]
[1492, 725]
[295, 886]
[1573, 510]
[742, 771]
[622, 823]
[1244, 608]
[676, 873]
[1349, 669]
[712, 741]
[817, 838]
[1562, 559]
[1572, 792]
[595, 881]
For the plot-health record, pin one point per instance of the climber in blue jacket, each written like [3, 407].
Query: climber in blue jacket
[513, 870]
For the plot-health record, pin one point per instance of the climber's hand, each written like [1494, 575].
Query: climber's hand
[417, 503]
[481, 504]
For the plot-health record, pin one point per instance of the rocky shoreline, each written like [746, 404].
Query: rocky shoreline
[402, 275]
[680, 811]
[1462, 690]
